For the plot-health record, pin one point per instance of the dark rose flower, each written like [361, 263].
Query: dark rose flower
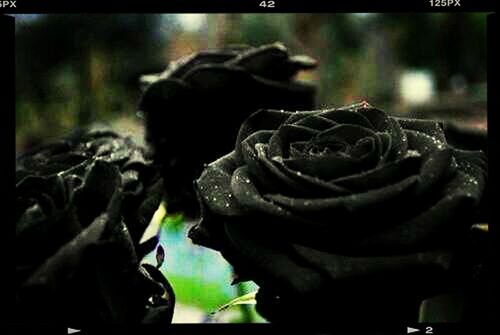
[82, 205]
[72, 156]
[194, 109]
[343, 214]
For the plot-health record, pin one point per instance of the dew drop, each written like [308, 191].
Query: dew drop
[278, 159]
[412, 153]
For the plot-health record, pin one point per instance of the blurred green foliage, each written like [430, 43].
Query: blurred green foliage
[72, 70]
[200, 277]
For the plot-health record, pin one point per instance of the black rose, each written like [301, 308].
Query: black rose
[342, 214]
[194, 109]
[82, 205]
[72, 156]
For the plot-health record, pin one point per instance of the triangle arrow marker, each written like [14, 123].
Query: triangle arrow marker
[411, 330]
[72, 331]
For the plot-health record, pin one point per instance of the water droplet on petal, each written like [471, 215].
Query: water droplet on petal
[412, 153]
[278, 159]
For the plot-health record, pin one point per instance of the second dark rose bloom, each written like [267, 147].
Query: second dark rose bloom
[341, 214]
[194, 109]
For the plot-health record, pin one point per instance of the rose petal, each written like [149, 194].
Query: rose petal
[429, 127]
[307, 186]
[436, 168]
[214, 187]
[473, 163]
[272, 61]
[422, 143]
[101, 182]
[385, 147]
[443, 223]
[64, 263]
[299, 115]
[247, 147]
[379, 120]
[282, 138]
[346, 117]
[363, 148]
[274, 175]
[399, 142]
[179, 68]
[316, 122]
[269, 260]
[249, 197]
[380, 176]
[338, 267]
[47, 217]
[328, 167]
[351, 203]
[267, 61]
[346, 132]
[354, 214]
[298, 149]
[261, 120]
[214, 77]
[260, 169]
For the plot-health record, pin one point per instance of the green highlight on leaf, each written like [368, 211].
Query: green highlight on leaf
[173, 221]
[155, 224]
[247, 299]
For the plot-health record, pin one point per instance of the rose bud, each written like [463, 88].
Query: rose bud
[81, 206]
[194, 109]
[342, 215]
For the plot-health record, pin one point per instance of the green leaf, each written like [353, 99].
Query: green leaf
[247, 299]
[154, 226]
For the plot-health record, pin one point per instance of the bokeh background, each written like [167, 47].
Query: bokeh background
[76, 70]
